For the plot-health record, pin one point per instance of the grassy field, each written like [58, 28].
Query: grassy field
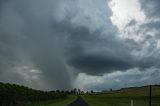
[57, 102]
[123, 97]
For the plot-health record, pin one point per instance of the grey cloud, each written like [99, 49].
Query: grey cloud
[129, 78]
[151, 10]
[96, 52]
[95, 55]
[151, 7]
[99, 64]
[83, 43]
[28, 39]
[48, 35]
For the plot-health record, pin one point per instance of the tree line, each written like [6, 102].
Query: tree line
[12, 94]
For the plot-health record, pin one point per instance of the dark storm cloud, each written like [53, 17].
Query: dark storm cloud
[91, 54]
[92, 50]
[49, 35]
[36, 37]
[94, 54]
[99, 64]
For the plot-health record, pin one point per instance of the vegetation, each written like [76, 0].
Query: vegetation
[123, 97]
[12, 94]
[56, 102]
[16, 95]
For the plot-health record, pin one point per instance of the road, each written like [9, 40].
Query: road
[78, 102]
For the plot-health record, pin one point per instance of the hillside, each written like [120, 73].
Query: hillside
[123, 97]
[16, 95]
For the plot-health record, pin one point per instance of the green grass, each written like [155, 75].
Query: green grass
[93, 100]
[123, 97]
[56, 102]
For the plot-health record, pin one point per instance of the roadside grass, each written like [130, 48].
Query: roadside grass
[123, 97]
[93, 100]
[56, 102]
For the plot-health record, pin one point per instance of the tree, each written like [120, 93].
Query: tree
[79, 91]
[110, 89]
[92, 91]
[75, 90]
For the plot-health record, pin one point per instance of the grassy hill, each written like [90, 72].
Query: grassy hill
[123, 97]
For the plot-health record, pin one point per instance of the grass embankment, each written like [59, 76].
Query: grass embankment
[123, 97]
[56, 102]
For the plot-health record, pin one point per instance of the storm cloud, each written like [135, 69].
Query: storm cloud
[29, 43]
[43, 41]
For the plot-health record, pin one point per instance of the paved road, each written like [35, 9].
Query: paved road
[78, 102]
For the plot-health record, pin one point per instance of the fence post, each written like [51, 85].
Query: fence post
[131, 102]
[150, 94]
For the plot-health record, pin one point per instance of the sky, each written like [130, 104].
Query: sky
[86, 44]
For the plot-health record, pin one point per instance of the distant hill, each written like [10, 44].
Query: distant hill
[132, 91]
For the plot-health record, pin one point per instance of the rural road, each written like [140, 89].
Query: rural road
[78, 102]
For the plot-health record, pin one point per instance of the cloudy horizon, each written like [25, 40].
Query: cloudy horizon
[86, 44]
